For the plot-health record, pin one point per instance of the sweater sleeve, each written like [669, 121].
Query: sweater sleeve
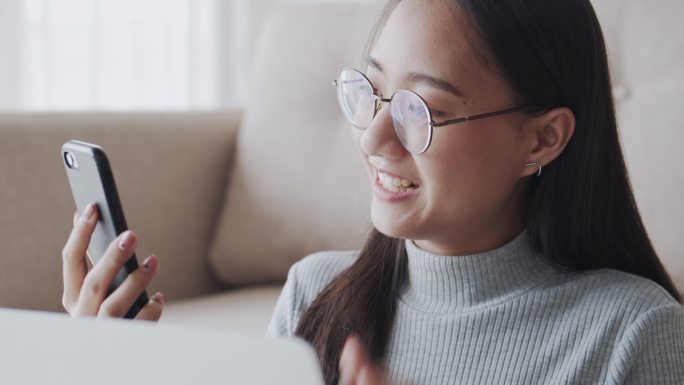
[305, 280]
[283, 320]
[652, 349]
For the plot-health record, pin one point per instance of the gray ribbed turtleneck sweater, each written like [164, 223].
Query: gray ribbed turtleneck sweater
[508, 316]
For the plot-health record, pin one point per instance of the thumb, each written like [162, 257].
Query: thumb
[356, 367]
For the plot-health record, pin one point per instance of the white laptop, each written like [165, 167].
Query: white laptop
[51, 348]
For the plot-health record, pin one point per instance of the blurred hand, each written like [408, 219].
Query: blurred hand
[356, 367]
[85, 292]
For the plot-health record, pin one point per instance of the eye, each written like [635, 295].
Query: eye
[417, 110]
[364, 88]
[373, 89]
[358, 85]
[437, 114]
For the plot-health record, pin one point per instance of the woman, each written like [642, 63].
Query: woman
[507, 247]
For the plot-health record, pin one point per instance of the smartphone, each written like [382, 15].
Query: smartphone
[92, 181]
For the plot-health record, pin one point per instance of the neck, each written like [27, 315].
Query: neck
[484, 235]
[445, 284]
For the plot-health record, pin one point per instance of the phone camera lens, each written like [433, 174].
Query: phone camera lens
[70, 160]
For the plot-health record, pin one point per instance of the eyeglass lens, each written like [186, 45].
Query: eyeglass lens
[410, 115]
[355, 94]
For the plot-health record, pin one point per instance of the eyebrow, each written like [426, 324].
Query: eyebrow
[423, 78]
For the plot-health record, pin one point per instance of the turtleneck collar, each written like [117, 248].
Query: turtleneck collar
[447, 284]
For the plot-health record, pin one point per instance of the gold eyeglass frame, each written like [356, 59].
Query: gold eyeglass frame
[431, 122]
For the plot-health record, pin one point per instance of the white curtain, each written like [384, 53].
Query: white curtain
[126, 54]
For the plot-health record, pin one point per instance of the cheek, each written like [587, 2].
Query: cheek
[356, 137]
[475, 164]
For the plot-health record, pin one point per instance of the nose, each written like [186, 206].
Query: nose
[380, 139]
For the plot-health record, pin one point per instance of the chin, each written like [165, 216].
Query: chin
[391, 226]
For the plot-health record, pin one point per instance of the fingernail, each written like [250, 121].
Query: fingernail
[150, 264]
[127, 240]
[157, 298]
[89, 211]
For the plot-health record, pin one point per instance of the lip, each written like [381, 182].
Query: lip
[385, 195]
[384, 171]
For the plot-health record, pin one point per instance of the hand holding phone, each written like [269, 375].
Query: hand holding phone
[115, 286]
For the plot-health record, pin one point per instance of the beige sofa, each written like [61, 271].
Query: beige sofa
[230, 199]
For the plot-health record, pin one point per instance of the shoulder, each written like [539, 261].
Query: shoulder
[621, 299]
[314, 272]
[627, 295]
[636, 320]
[305, 280]
[651, 347]
[329, 262]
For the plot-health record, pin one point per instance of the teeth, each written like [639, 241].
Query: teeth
[395, 184]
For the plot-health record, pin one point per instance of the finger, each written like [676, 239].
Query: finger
[356, 367]
[96, 283]
[74, 267]
[370, 374]
[89, 261]
[153, 310]
[122, 299]
[351, 361]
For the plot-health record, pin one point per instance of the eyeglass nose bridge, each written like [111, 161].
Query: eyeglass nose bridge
[379, 100]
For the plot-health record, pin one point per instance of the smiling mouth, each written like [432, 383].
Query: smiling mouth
[394, 184]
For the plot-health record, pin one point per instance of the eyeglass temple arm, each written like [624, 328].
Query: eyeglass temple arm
[487, 115]
[335, 83]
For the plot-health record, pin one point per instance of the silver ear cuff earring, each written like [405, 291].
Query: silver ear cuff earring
[532, 164]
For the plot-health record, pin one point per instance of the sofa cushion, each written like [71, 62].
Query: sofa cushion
[298, 185]
[242, 310]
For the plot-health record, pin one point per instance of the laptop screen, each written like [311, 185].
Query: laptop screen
[52, 348]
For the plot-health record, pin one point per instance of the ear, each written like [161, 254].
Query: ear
[546, 136]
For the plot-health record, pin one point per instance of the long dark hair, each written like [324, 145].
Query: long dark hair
[582, 214]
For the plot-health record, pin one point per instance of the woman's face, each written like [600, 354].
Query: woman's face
[470, 182]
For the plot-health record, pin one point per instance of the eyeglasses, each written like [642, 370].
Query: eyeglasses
[411, 117]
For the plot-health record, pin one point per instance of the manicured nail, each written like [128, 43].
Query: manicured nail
[158, 298]
[89, 211]
[150, 264]
[126, 241]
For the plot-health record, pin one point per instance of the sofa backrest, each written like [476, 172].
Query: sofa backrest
[298, 186]
[645, 43]
[170, 170]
